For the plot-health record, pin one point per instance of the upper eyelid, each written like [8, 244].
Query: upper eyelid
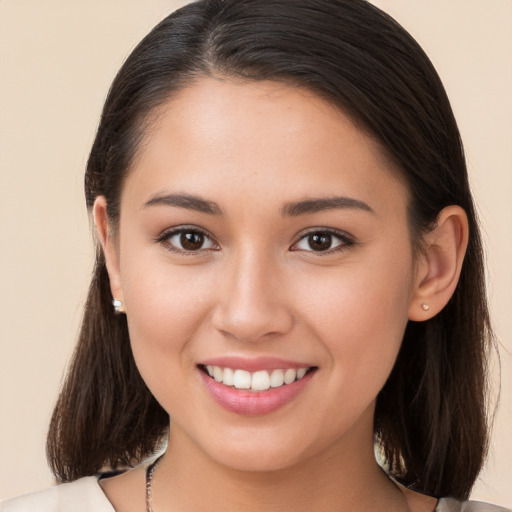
[331, 231]
[181, 229]
[346, 239]
[168, 233]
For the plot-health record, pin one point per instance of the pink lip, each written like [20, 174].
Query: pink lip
[254, 364]
[253, 403]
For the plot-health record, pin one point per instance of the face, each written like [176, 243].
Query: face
[263, 239]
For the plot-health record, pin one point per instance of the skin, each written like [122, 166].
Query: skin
[258, 288]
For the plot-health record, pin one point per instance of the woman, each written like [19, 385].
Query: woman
[289, 244]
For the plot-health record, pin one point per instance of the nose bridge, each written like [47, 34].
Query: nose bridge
[251, 305]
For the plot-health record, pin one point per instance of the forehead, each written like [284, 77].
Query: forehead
[266, 138]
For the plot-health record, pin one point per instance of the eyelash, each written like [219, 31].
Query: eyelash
[164, 239]
[345, 241]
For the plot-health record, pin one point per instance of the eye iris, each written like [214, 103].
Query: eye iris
[192, 241]
[320, 241]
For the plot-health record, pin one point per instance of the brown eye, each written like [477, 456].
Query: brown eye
[191, 241]
[320, 241]
[188, 240]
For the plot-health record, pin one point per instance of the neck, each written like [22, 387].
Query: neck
[337, 479]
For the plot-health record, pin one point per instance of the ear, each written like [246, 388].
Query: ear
[439, 266]
[108, 244]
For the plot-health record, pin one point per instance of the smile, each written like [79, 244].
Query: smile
[252, 390]
[256, 381]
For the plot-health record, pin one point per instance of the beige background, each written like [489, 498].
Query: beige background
[57, 59]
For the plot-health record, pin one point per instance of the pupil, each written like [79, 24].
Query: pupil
[191, 241]
[320, 241]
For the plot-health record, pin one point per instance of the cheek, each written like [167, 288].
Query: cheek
[360, 316]
[166, 306]
[160, 297]
[161, 306]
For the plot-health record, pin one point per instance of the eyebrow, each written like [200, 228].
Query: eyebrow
[188, 201]
[295, 209]
[320, 204]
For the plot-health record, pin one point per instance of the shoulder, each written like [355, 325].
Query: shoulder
[83, 495]
[451, 505]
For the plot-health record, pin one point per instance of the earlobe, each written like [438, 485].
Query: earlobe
[440, 264]
[108, 245]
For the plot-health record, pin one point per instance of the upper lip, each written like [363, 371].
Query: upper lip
[254, 364]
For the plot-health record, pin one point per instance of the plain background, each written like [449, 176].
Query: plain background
[57, 59]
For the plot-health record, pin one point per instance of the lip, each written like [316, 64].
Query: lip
[254, 364]
[253, 403]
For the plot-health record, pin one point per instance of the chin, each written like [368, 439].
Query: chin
[257, 460]
[260, 451]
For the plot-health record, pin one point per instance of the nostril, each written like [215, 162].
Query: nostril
[253, 325]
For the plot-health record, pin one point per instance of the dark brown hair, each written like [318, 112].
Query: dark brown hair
[431, 415]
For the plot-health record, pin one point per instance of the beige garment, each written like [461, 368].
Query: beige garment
[83, 495]
[451, 505]
[86, 495]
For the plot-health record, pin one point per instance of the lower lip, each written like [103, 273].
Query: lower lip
[254, 403]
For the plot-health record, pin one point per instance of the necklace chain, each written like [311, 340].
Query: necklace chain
[149, 484]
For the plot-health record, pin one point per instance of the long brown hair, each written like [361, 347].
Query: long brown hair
[431, 415]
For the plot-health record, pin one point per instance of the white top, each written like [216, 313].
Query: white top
[86, 495]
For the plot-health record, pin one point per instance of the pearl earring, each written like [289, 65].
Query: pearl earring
[118, 306]
[425, 307]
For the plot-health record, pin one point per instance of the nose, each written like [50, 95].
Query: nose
[251, 304]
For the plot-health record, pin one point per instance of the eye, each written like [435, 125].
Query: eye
[187, 240]
[322, 241]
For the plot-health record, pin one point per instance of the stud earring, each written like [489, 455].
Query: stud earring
[118, 306]
[425, 307]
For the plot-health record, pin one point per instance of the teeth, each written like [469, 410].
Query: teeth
[242, 379]
[277, 378]
[256, 381]
[228, 377]
[290, 375]
[218, 374]
[260, 381]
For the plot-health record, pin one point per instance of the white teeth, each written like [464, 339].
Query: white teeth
[228, 376]
[301, 372]
[290, 375]
[277, 378]
[218, 374]
[260, 381]
[242, 379]
[257, 381]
